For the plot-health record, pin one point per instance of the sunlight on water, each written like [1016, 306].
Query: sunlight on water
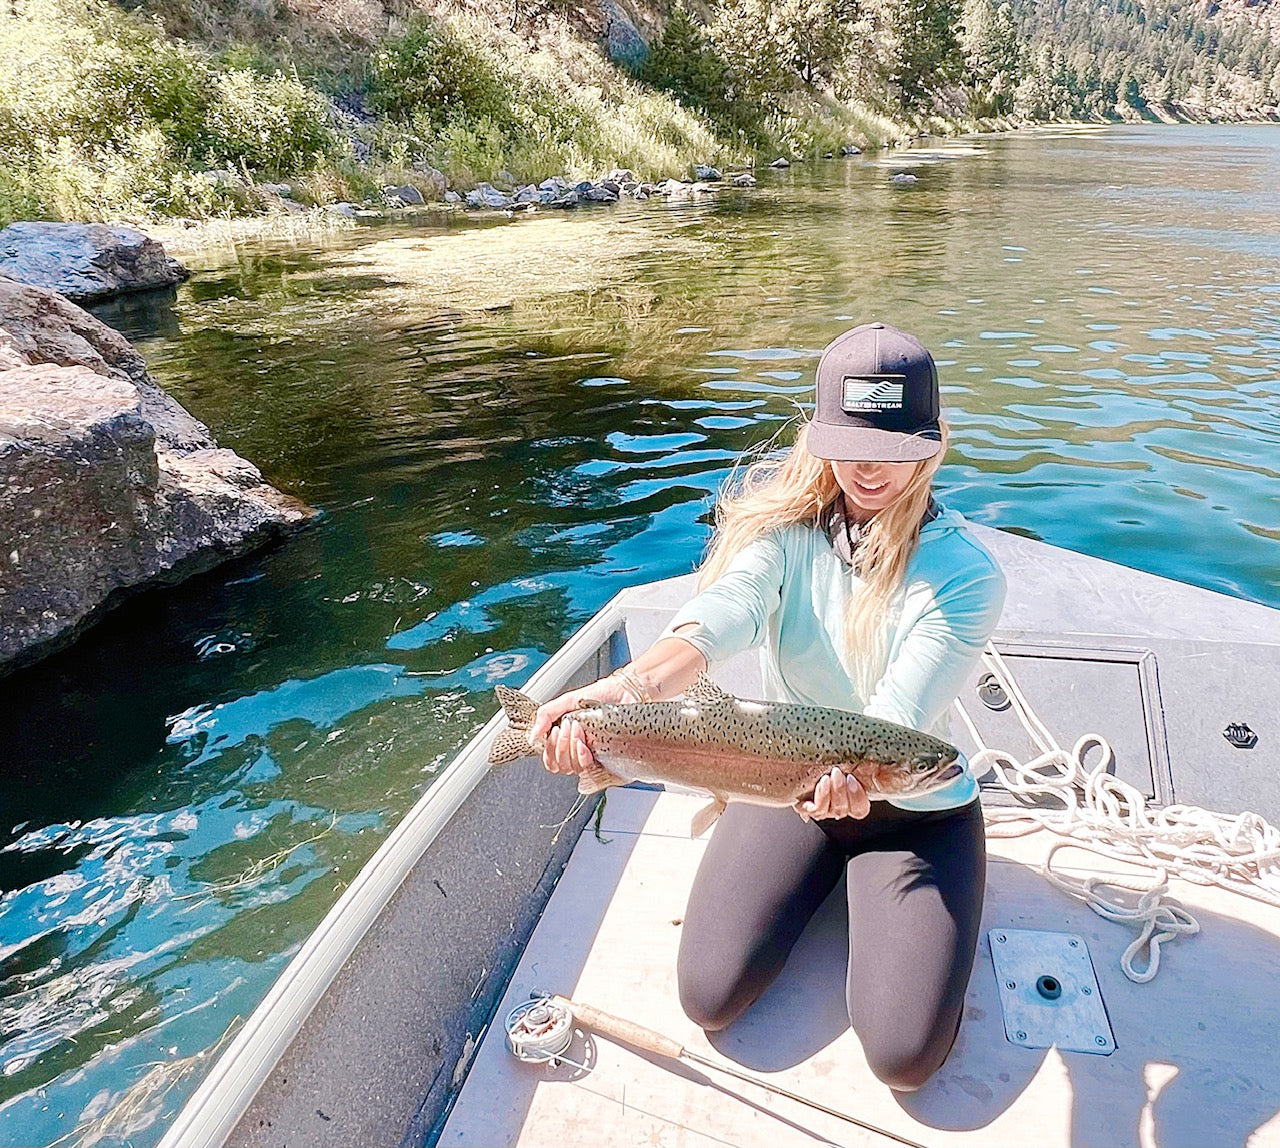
[507, 421]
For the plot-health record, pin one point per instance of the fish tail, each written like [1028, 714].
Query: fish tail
[519, 707]
[512, 744]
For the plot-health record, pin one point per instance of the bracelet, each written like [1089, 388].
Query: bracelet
[638, 689]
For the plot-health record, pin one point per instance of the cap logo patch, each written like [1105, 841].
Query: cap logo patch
[872, 393]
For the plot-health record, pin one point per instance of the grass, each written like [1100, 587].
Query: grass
[104, 115]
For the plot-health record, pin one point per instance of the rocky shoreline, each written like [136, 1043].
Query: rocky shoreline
[107, 484]
[555, 191]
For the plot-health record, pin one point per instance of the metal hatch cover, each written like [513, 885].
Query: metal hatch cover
[1049, 994]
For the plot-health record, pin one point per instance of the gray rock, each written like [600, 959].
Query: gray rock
[903, 179]
[106, 484]
[600, 195]
[452, 197]
[432, 176]
[283, 190]
[672, 187]
[346, 210]
[744, 179]
[406, 195]
[554, 183]
[583, 186]
[38, 326]
[222, 177]
[850, 149]
[570, 198]
[86, 260]
[528, 194]
[704, 171]
[781, 161]
[621, 175]
[626, 44]
[486, 195]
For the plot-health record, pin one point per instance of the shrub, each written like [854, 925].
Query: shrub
[268, 124]
[101, 114]
[432, 76]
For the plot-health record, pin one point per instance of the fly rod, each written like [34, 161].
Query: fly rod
[542, 1029]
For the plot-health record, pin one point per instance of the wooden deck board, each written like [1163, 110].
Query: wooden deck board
[1196, 1063]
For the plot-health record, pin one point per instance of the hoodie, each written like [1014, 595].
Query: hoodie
[785, 594]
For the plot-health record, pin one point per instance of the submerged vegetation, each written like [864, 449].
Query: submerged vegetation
[147, 108]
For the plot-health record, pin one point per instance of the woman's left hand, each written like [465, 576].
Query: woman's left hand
[837, 794]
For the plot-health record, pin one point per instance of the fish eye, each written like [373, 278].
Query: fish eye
[922, 764]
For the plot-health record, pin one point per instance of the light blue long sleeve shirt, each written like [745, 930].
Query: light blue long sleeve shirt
[785, 594]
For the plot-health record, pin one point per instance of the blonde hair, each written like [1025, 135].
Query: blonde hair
[774, 491]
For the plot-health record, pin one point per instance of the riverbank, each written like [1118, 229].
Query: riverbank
[296, 225]
[208, 112]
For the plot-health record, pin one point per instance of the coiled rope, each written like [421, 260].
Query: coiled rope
[1094, 810]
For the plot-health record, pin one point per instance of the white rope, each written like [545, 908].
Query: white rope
[1091, 809]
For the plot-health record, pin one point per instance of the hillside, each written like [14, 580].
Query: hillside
[148, 108]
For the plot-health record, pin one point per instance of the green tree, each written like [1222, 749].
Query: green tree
[989, 41]
[923, 47]
[769, 44]
[686, 63]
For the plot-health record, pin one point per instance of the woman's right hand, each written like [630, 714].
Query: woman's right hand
[566, 749]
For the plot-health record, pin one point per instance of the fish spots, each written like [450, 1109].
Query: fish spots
[766, 752]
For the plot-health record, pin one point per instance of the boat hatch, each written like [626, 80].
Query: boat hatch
[1049, 993]
[1075, 689]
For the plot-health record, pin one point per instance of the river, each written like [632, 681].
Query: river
[506, 421]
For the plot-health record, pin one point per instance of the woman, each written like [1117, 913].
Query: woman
[863, 594]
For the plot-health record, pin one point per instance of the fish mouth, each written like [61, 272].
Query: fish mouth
[954, 770]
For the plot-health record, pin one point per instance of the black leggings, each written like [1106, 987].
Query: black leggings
[915, 885]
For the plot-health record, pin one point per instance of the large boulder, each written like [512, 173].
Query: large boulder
[86, 261]
[107, 485]
[626, 44]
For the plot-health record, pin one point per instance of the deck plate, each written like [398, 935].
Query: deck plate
[1049, 993]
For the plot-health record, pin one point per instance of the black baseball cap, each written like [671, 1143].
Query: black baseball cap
[877, 398]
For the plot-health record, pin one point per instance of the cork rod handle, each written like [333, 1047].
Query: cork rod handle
[626, 1031]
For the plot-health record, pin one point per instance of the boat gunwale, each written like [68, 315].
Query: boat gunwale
[213, 1110]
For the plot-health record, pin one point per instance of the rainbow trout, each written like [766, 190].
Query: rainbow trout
[766, 753]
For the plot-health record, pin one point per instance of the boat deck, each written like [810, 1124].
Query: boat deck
[1196, 1061]
[371, 1029]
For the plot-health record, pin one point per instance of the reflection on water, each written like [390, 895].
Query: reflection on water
[504, 423]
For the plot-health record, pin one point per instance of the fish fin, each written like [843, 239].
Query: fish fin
[597, 778]
[707, 816]
[705, 690]
[519, 707]
[510, 745]
[513, 744]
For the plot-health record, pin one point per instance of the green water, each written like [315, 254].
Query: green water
[506, 421]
